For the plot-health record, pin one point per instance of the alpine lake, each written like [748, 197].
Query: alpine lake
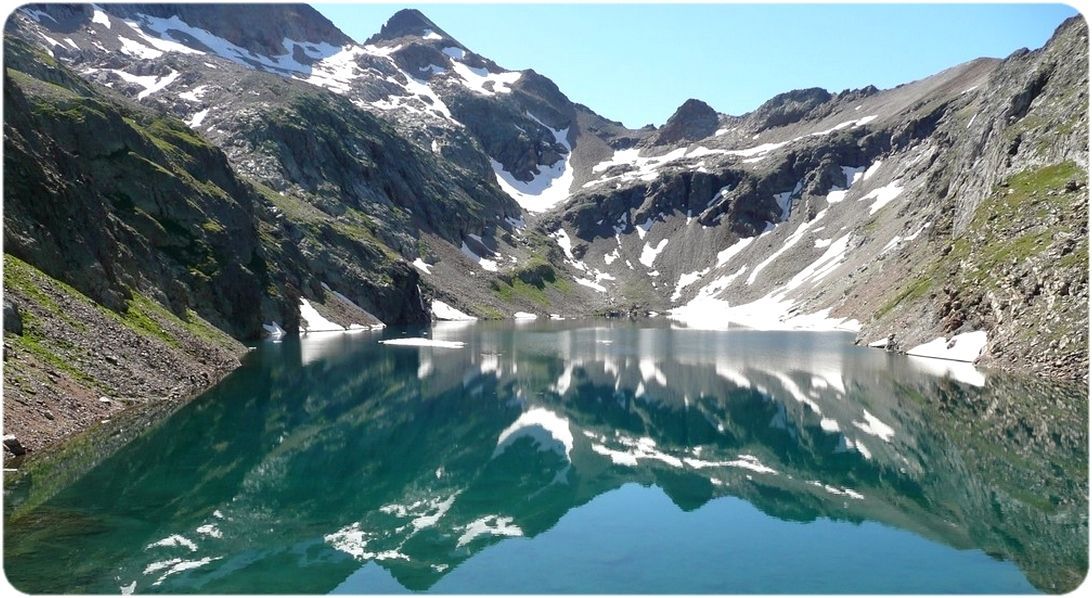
[570, 456]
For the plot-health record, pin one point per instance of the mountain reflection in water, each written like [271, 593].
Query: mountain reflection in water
[579, 456]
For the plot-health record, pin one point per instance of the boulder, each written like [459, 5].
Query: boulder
[13, 320]
[12, 444]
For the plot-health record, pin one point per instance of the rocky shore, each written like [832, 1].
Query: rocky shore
[71, 364]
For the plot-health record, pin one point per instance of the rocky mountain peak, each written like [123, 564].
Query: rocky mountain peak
[810, 95]
[693, 109]
[856, 94]
[692, 121]
[788, 107]
[1074, 25]
[408, 22]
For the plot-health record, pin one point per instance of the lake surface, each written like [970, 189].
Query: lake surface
[589, 456]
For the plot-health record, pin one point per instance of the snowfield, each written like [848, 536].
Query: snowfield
[422, 266]
[443, 311]
[485, 263]
[772, 312]
[150, 83]
[198, 118]
[962, 347]
[313, 321]
[882, 196]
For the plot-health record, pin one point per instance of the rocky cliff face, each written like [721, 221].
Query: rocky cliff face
[112, 199]
[236, 163]
[136, 246]
[1009, 251]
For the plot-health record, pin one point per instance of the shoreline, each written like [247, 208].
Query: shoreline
[72, 364]
[145, 411]
[38, 476]
[52, 452]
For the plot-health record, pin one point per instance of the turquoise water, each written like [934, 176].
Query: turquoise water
[596, 456]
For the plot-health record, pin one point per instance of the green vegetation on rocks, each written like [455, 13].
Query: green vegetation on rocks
[1020, 267]
[535, 282]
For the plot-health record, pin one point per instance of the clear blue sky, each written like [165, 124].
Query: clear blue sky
[637, 63]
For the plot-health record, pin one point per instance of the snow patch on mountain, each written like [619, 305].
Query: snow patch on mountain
[98, 16]
[422, 266]
[454, 53]
[591, 284]
[640, 167]
[725, 255]
[836, 195]
[872, 168]
[753, 154]
[485, 263]
[313, 321]
[823, 266]
[330, 66]
[443, 311]
[336, 71]
[198, 118]
[853, 174]
[650, 253]
[415, 90]
[565, 243]
[847, 124]
[549, 187]
[195, 94]
[758, 150]
[150, 83]
[131, 47]
[793, 239]
[772, 312]
[720, 283]
[686, 280]
[483, 82]
[784, 199]
[962, 347]
[163, 43]
[899, 239]
[882, 196]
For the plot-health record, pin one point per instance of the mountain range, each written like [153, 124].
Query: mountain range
[183, 177]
